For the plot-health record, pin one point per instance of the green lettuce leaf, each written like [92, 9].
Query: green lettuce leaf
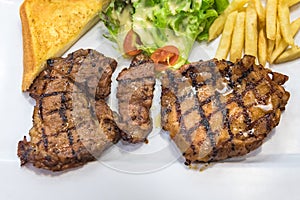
[162, 22]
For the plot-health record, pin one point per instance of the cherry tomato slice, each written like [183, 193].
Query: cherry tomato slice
[167, 55]
[130, 43]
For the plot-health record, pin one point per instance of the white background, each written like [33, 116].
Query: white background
[272, 172]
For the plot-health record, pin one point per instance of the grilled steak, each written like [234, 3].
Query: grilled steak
[217, 109]
[67, 131]
[135, 94]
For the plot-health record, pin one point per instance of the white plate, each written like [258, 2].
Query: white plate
[272, 172]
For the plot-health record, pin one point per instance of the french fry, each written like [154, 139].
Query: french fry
[238, 37]
[262, 47]
[225, 41]
[295, 27]
[271, 15]
[275, 33]
[251, 31]
[292, 2]
[284, 19]
[261, 13]
[278, 34]
[270, 48]
[290, 54]
[217, 27]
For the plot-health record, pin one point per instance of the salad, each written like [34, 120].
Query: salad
[164, 29]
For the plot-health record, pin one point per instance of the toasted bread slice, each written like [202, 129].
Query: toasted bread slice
[51, 27]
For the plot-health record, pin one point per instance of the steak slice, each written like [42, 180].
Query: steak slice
[217, 109]
[72, 124]
[135, 94]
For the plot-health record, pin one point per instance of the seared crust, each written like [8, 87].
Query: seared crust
[135, 95]
[50, 28]
[72, 124]
[216, 110]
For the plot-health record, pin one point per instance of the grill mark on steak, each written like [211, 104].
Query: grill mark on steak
[239, 98]
[240, 103]
[62, 110]
[44, 139]
[135, 93]
[178, 100]
[205, 119]
[72, 63]
[66, 130]
[71, 139]
[226, 123]
[235, 119]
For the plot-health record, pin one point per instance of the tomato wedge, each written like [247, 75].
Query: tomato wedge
[167, 55]
[130, 43]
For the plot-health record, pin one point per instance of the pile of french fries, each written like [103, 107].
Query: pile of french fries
[248, 27]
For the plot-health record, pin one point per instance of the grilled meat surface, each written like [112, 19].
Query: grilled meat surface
[217, 109]
[135, 94]
[72, 124]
